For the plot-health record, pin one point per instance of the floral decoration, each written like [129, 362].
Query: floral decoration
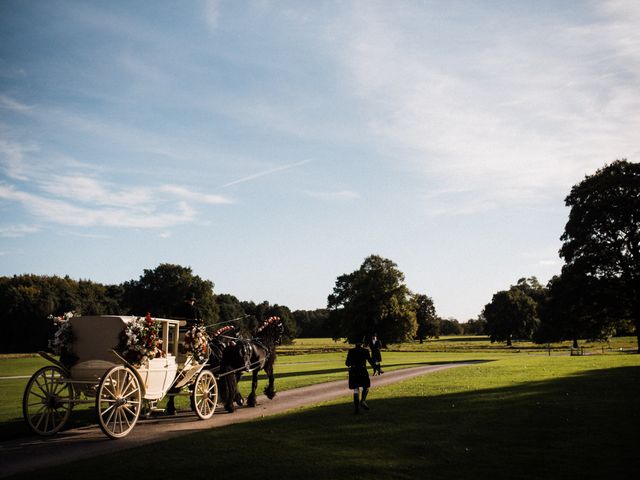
[196, 342]
[140, 340]
[62, 342]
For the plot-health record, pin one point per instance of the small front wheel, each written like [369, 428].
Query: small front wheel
[205, 394]
[118, 402]
[47, 401]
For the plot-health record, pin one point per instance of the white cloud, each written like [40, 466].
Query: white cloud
[66, 213]
[212, 13]
[190, 194]
[87, 190]
[12, 159]
[519, 116]
[83, 200]
[333, 195]
[11, 104]
[15, 231]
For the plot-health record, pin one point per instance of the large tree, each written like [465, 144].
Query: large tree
[373, 299]
[164, 290]
[428, 321]
[602, 235]
[578, 306]
[512, 314]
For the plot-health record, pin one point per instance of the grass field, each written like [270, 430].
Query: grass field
[520, 415]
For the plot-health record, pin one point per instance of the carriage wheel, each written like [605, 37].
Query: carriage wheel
[118, 402]
[205, 394]
[47, 401]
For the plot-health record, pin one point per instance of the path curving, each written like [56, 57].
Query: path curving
[32, 453]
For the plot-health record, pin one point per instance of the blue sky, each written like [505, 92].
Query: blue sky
[273, 146]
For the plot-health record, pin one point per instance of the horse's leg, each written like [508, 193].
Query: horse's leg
[238, 396]
[270, 390]
[251, 399]
[231, 386]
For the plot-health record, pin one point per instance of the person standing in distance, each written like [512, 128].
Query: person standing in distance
[375, 345]
[357, 359]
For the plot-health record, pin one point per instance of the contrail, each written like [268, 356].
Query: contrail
[266, 172]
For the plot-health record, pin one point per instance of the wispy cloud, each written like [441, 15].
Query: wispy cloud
[517, 118]
[264, 173]
[15, 231]
[66, 213]
[333, 194]
[12, 104]
[212, 13]
[12, 159]
[77, 200]
[190, 194]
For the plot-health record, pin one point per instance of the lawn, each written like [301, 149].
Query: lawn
[517, 416]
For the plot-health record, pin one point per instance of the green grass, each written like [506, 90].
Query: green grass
[291, 372]
[518, 417]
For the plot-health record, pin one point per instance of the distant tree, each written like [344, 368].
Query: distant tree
[27, 300]
[312, 323]
[450, 326]
[512, 314]
[475, 326]
[602, 235]
[426, 318]
[258, 313]
[164, 290]
[230, 309]
[373, 299]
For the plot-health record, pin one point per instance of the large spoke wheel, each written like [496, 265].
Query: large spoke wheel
[118, 402]
[205, 394]
[47, 401]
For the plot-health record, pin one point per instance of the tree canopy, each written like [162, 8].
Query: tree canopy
[373, 299]
[426, 318]
[602, 236]
[164, 290]
[511, 314]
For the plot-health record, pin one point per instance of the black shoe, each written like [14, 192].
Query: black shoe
[364, 405]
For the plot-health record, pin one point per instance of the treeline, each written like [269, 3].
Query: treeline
[26, 301]
[564, 309]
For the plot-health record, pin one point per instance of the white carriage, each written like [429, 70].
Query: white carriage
[118, 388]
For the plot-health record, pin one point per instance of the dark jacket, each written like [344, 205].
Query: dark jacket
[357, 359]
[375, 347]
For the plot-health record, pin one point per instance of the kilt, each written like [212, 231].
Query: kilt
[359, 378]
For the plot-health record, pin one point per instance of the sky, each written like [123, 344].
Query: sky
[272, 146]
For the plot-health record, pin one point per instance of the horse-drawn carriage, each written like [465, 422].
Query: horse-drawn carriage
[154, 359]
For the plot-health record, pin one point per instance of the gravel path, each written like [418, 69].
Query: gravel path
[31, 453]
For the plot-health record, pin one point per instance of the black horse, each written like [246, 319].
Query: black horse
[218, 342]
[252, 355]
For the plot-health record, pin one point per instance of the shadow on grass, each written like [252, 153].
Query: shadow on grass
[330, 371]
[582, 426]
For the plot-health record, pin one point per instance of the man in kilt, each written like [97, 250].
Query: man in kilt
[357, 359]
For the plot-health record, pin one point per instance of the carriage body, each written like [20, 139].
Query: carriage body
[95, 338]
[118, 387]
